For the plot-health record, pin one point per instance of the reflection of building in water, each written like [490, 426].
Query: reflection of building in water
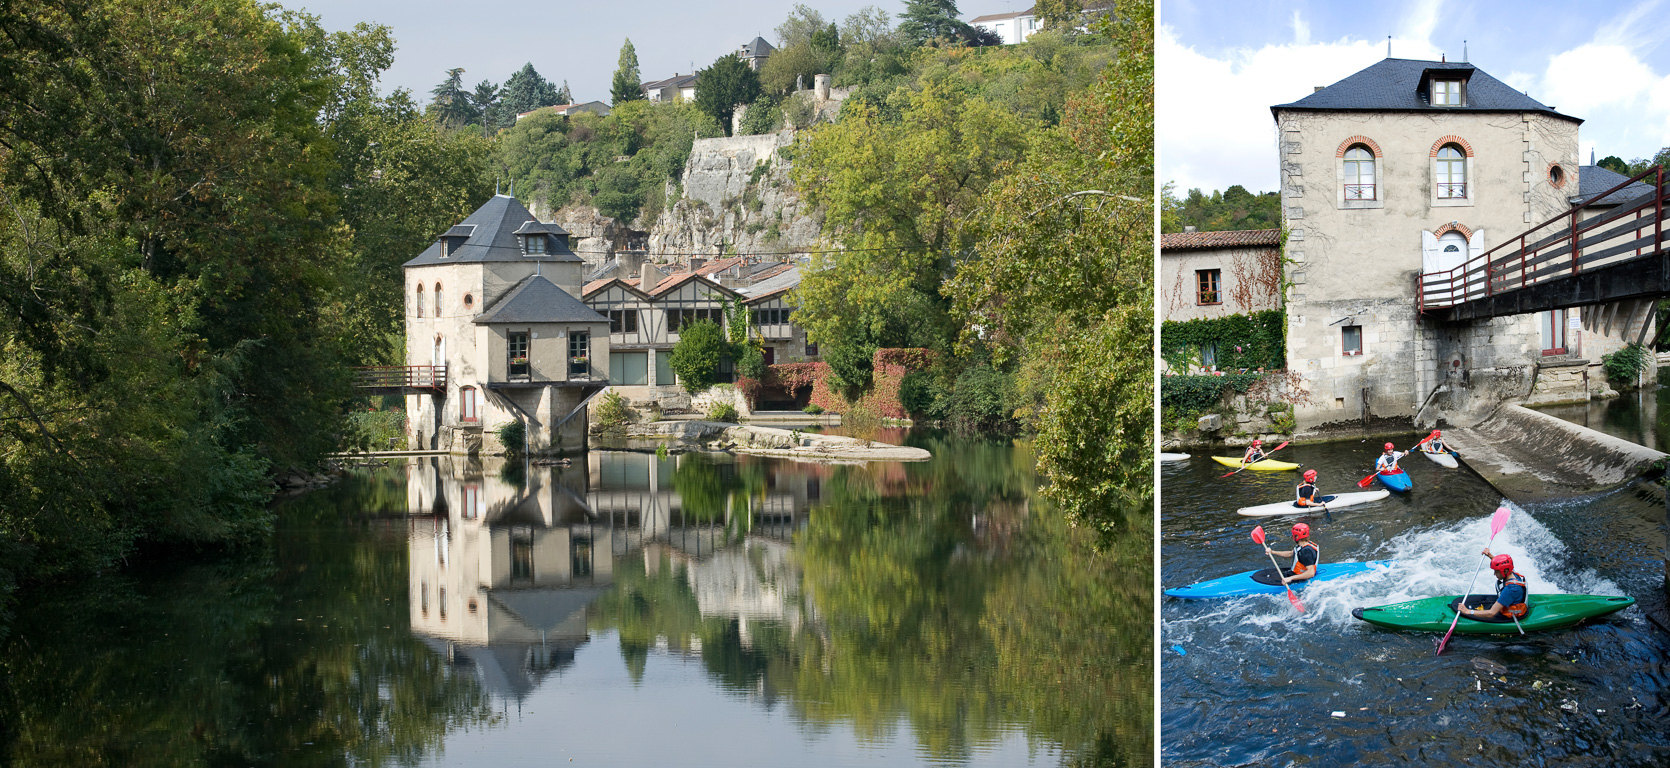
[501, 571]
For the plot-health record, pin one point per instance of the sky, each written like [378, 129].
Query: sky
[1221, 65]
[575, 41]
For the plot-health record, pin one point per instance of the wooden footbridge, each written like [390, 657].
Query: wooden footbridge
[1616, 261]
[401, 379]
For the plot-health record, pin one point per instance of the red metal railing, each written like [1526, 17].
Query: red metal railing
[389, 376]
[1559, 247]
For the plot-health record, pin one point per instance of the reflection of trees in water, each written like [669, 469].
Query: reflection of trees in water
[942, 595]
[209, 664]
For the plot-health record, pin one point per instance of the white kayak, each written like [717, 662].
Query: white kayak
[1173, 456]
[1441, 459]
[1337, 501]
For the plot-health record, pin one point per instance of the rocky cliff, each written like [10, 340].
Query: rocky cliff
[736, 191]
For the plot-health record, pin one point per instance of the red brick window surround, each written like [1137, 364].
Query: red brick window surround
[1461, 143]
[1363, 140]
[1453, 227]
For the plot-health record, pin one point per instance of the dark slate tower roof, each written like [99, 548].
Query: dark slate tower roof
[1399, 85]
[490, 234]
[537, 300]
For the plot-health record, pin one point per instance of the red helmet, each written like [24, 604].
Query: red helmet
[1501, 563]
[1436, 433]
[1257, 442]
[1389, 447]
[1301, 531]
[1310, 475]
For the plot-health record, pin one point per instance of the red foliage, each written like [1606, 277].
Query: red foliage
[890, 365]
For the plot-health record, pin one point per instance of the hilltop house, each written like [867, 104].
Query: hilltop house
[755, 52]
[676, 88]
[1408, 167]
[1017, 26]
[494, 306]
[595, 107]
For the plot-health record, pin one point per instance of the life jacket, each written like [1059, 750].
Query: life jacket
[1387, 464]
[1300, 569]
[1436, 446]
[1517, 609]
[1253, 456]
[1307, 495]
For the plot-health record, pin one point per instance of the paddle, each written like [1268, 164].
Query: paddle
[1258, 536]
[1498, 521]
[1244, 464]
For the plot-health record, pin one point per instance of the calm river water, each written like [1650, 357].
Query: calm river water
[628, 610]
[1248, 681]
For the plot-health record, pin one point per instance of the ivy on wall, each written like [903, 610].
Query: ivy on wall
[1196, 394]
[1242, 341]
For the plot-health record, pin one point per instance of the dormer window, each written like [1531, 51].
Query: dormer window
[533, 244]
[1446, 93]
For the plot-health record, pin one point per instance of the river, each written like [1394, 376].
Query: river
[1248, 681]
[698, 609]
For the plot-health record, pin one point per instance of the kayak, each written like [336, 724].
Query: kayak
[1173, 456]
[1262, 466]
[1434, 614]
[1266, 582]
[1398, 481]
[1441, 458]
[1337, 501]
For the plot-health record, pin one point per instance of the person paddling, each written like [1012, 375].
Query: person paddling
[1387, 463]
[1308, 495]
[1434, 443]
[1510, 592]
[1255, 453]
[1305, 555]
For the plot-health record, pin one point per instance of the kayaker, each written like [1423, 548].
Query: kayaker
[1305, 554]
[1510, 591]
[1434, 443]
[1387, 463]
[1254, 454]
[1308, 496]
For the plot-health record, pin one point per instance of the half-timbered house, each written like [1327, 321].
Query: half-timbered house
[645, 314]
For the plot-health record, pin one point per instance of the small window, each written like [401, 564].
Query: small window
[1452, 248]
[1556, 176]
[579, 354]
[623, 321]
[1552, 328]
[420, 300]
[811, 349]
[535, 244]
[1452, 173]
[516, 350]
[1207, 284]
[1352, 339]
[1446, 93]
[467, 404]
[437, 299]
[1359, 173]
[469, 301]
[1209, 354]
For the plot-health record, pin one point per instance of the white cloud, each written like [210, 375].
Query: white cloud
[1214, 122]
[1623, 100]
[1301, 30]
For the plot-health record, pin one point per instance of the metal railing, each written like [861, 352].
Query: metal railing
[1560, 247]
[390, 376]
[1359, 191]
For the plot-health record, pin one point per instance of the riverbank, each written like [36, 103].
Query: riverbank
[679, 436]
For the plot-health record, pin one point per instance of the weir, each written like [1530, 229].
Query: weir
[1531, 456]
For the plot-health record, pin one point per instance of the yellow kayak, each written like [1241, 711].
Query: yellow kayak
[1261, 466]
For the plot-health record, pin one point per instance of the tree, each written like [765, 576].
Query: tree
[802, 24]
[627, 84]
[451, 105]
[527, 91]
[925, 20]
[791, 66]
[485, 100]
[723, 85]
[1615, 164]
[564, 95]
[1059, 15]
[695, 358]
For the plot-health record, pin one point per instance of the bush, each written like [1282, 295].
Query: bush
[915, 395]
[512, 435]
[612, 411]
[723, 412]
[751, 362]
[1624, 365]
[979, 401]
[813, 409]
[695, 359]
[373, 430]
[1197, 394]
[1245, 342]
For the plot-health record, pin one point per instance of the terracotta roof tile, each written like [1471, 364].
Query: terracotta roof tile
[1235, 238]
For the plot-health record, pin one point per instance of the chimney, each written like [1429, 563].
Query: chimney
[649, 277]
[697, 264]
[1314, 89]
[1189, 228]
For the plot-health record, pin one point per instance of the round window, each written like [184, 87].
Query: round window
[469, 301]
[1556, 176]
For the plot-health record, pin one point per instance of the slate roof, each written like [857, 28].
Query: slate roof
[774, 285]
[537, 300]
[1394, 85]
[676, 81]
[1235, 238]
[1593, 180]
[492, 237]
[758, 47]
[1000, 16]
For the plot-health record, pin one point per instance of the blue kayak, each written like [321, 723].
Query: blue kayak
[1266, 582]
[1399, 482]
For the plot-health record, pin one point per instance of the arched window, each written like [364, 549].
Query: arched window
[1359, 173]
[437, 299]
[1452, 173]
[420, 300]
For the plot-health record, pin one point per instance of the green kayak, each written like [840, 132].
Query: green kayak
[1434, 614]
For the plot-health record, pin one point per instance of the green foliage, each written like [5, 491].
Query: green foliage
[695, 358]
[791, 68]
[1196, 394]
[979, 401]
[451, 106]
[927, 20]
[813, 409]
[750, 361]
[1615, 164]
[1234, 208]
[915, 394]
[763, 116]
[627, 84]
[725, 83]
[527, 90]
[1640, 165]
[724, 412]
[513, 436]
[1284, 422]
[1243, 342]
[1625, 365]
[372, 430]
[612, 411]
